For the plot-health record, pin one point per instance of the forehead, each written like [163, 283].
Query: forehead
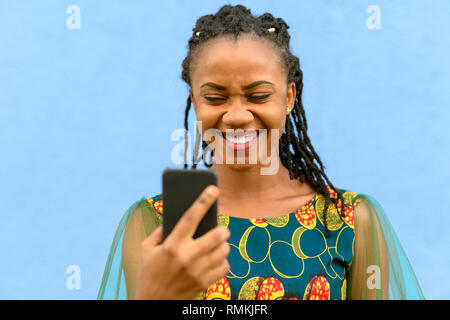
[225, 60]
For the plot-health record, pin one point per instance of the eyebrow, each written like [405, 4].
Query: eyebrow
[249, 86]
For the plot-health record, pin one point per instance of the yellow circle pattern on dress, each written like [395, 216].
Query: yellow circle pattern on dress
[350, 205]
[278, 272]
[239, 276]
[296, 242]
[250, 288]
[223, 220]
[344, 289]
[334, 221]
[278, 222]
[243, 245]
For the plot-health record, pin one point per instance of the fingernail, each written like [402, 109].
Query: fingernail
[212, 190]
[226, 234]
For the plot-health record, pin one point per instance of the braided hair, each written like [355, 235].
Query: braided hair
[303, 163]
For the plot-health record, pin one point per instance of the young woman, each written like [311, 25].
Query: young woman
[289, 234]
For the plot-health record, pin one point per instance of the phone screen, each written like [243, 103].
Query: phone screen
[181, 187]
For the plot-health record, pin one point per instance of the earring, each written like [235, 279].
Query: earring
[287, 110]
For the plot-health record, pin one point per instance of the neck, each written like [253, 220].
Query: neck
[242, 182]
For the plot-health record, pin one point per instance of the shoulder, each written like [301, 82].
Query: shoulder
[348, 202]
[140, 207]
[358, 208]
[350, 197]
[156, 203]
[144, 214]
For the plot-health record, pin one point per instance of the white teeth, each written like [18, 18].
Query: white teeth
[240, 139]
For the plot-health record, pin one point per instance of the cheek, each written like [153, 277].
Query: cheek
[208, 118]
[274, 118]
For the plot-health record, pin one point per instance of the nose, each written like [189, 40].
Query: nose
[237, 115]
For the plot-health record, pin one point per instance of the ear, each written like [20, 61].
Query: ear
[291, 94]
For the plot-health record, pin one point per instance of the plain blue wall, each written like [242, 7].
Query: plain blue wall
[86, 116]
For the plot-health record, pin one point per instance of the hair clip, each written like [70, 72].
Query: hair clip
[197, 33]
[271, 29]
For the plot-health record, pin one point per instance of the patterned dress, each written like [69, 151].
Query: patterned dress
[286, 257]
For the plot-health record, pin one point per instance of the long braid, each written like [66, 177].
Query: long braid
[197, 143]
[304, 163]
[186, 115]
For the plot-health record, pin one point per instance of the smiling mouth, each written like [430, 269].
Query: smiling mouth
[241, 138]
[240, 141]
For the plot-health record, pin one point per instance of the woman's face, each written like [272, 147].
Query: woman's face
[220, 73]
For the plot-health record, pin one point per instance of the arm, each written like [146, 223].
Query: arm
[134, 234]
[380, 268]
[112, 287]
[369, 273]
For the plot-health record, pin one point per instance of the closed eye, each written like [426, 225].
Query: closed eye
[213, 99]
[261, 97]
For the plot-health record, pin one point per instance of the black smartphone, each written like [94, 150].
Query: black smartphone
[180, 188]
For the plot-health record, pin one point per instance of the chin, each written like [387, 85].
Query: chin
[239, 166]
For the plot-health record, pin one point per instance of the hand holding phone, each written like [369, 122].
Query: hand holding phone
[183, 266]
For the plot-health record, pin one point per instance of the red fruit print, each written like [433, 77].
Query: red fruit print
[318, 289]
[220, 290]
[158, 205]
[270, 289]
[306, 216]
[259, 222]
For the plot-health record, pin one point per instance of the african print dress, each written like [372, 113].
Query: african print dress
[289, 256]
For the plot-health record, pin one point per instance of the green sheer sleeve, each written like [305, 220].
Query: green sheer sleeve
[380, 269]
[120, 277]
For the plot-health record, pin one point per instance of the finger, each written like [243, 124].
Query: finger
[217, 273]
[154, 238]
[190, 220]
[209, 241]
[214, 258]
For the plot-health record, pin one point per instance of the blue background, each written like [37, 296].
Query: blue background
[86, 117]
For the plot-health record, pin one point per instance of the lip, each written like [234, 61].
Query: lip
[240, 146]
[238, 133]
